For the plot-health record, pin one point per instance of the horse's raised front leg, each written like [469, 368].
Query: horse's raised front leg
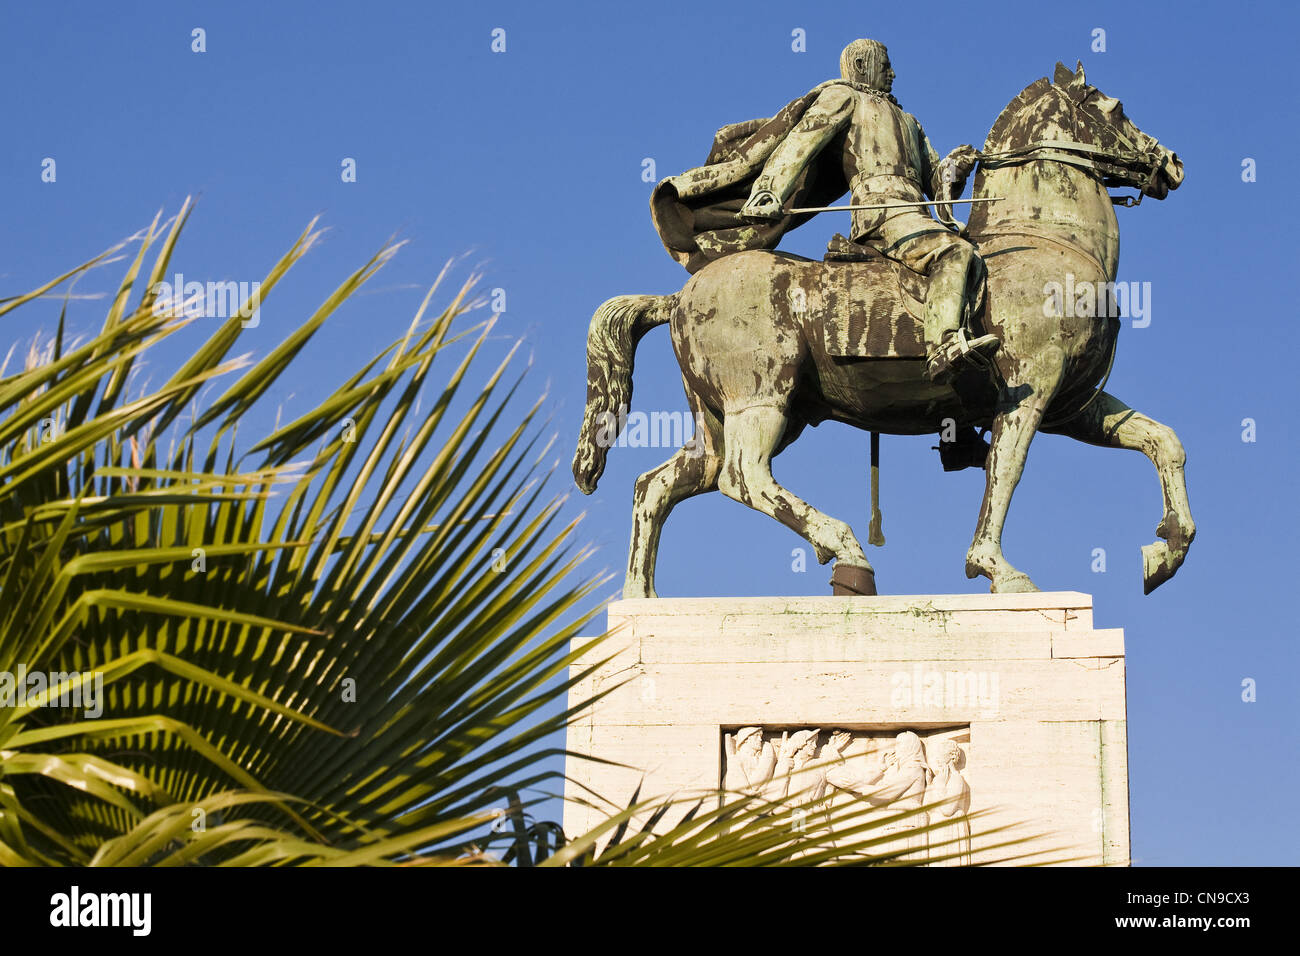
[1013, 430]
[750, 438]
[1112, 424]
[692, 471]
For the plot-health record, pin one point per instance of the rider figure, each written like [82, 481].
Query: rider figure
[887, 158]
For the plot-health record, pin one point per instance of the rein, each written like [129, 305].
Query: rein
[1117, 167]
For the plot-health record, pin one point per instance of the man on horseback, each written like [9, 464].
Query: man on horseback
[886, 158]
[750, 332]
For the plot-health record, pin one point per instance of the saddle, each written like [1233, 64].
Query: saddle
[872, 306]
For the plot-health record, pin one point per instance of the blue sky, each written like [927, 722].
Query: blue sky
[528, 164]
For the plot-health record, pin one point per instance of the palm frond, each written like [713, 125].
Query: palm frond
[313, 613]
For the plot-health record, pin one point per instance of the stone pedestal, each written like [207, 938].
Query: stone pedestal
[1014, 699]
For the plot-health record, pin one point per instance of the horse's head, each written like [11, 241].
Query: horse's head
[1156, 169]
[1069, 111]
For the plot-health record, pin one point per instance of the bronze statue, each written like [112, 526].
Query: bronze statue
[770, 342]
[887, 159]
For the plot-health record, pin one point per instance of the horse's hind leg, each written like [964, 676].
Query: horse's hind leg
[750, 437]
[692, 471]
[1112, 424]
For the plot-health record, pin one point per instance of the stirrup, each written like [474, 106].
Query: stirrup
[942, 365]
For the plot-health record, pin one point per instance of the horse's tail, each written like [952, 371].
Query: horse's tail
[615, 330]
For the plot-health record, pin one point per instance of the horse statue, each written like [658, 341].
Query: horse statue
[755, 334]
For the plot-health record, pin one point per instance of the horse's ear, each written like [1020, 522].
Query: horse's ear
[1063, 76]
[1079, 79]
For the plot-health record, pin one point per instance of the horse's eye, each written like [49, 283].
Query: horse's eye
[1109, 104]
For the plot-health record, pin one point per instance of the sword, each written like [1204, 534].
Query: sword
[892, 205]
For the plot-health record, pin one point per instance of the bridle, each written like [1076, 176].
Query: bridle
[1130, 166]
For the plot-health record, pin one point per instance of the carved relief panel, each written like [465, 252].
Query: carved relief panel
[817, 773]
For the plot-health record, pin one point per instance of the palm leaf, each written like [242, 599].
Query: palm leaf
[349, 642]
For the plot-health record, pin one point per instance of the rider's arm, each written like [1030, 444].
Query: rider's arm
[932, 171]
[827, 116]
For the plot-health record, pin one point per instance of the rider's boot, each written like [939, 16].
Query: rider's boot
[950, 351]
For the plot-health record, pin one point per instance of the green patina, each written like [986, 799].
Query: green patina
[770, 343]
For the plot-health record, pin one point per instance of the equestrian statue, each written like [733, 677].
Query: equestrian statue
[913, 324]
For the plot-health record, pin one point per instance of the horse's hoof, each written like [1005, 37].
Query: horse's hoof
[850, 581]
[1016, 583]
[1159, 562]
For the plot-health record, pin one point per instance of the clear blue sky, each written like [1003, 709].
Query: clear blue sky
[530, 163]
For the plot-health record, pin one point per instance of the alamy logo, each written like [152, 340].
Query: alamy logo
[656, 430]
[75, 908]
[217, 300]
[53, 689]
[976, 690]
[1086, 299]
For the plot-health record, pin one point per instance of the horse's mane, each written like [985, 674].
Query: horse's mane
[1026, 96]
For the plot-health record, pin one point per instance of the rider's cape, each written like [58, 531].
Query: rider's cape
[697, 214]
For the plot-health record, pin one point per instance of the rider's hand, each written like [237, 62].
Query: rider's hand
[964, 157]
[955, 167]
[763, 206]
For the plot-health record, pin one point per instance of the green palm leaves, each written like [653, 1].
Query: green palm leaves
[309, 648]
